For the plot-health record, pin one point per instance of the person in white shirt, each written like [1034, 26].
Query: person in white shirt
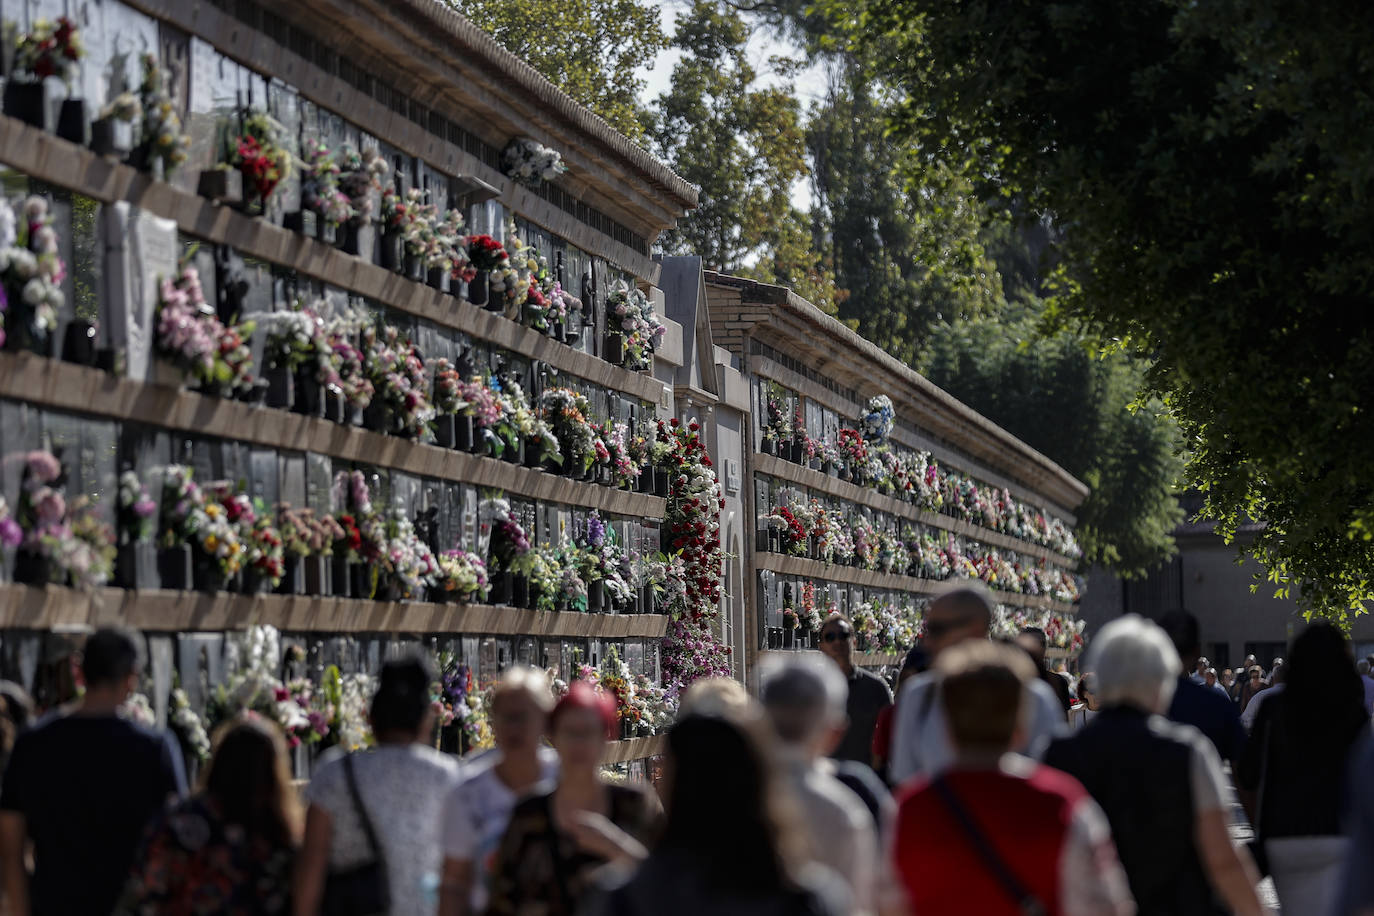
[805, 699]
[1247, 718]
[477, 810]
[920, 741]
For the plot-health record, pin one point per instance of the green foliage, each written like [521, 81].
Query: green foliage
[742, 143]
[1076, 408]
[902, 234]
[588, 48]
[1212, 163]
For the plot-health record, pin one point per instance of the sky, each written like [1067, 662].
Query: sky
[809, 84]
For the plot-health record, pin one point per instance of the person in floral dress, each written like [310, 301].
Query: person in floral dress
[229, 849]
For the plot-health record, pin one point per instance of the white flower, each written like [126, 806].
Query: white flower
[8, 224]
[23, 263]
[45, 239]
[35, 207]
[35, 291]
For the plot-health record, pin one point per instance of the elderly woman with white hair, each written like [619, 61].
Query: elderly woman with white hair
[1160, 783]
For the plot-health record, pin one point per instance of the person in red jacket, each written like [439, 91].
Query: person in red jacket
[997, 833]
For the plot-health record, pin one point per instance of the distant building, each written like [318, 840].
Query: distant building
[1205, 578]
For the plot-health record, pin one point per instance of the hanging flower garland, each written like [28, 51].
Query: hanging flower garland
[691, 530]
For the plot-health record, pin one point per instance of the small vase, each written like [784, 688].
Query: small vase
[519, 591]
[661, 481]
[316, 575]
[362, 587]
[435, 277]
[293, 576]
[414, 267]
[78, 343]
[390, 250]
[279, 387]
[174, 568]
[222, 186]
[342, 577]
[556, 331]
[774, 541]
[27, 102]
[798, 452]
[112, 137]
[465, 434]
[72, 123]
[376, 418]
[444, 436]
[514, 453]
[769, 446]
[596, 597]
[206, 576]
[627, 729]
[306, 396]
[306, 222]
[136, 566]
[644, 483]
[325, 231]
[32, 567]
[348, 239]
[815, 463]
[253, 582]
[479, 289]
[614, 350]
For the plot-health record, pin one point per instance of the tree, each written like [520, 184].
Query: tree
[742, 143]
[1076, 408]
[1211, 164]
[588, 48]
[902, 236]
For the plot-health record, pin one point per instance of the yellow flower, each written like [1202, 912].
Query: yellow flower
[211, 543]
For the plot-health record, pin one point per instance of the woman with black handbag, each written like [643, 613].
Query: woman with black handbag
[372, 828]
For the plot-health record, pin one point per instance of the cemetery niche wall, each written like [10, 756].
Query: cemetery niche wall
[319, 348]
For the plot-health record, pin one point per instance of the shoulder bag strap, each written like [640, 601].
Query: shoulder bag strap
[1029, 904]
[359, 807]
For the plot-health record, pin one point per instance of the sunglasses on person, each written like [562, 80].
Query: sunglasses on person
[836, 634]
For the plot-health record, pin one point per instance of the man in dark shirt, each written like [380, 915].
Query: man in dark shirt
[1036, 643]
[868, 694]
[82, 785]
[1194, 704]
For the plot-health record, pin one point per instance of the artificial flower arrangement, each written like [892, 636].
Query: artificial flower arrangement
[259, 151]
[51, 48]
[410, 219]
[306, 534]
[31, 274]
[625, 470]
[320, 190]
[408, 565]
[777, 422]
[808, 612]
[548, 305]
[691, 529]
[507, 540]
[188, 726]
[135, 510]
[263, 556]
[566, 412]
[163, 141]
[603, 563]
[792, 533]
[529, 162]
[401, 391]
[462, 576]
[64, 543]
[191, 517]
[512, 280]
[878, 418]
[360, 175]
[364, 533]
[633, 320]
[460, 704]
[192, 338]
[542, 568]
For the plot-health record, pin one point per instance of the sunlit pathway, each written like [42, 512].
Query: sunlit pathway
[1241, 832]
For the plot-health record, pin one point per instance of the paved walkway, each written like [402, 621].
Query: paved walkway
[1241, 832]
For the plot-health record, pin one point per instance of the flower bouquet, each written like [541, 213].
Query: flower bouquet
[163, 146]
[507, 542]
[308, 543]
[31, 275]
[878, 417]
[462, 576]
[633, 327]
[324, 205]
[408, 565]
[401, 404]
[358, 554]
[112, 131]
[542, 569]
[530, 163]
[360, 178]
[62, 543]
[485, 256]
[407, 231]
[50, 49]
[566, 413]
[135, 525]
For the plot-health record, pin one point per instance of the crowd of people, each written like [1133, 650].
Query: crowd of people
[973, 790]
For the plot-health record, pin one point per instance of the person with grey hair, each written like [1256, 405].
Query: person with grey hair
[1367, 682]
[920, 740]
[1159, 782]
[805, 699]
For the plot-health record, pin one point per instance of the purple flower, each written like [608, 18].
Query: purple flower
[10, 532]
[596, 531]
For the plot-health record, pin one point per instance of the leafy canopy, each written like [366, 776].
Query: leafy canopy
[741, 141]
[588, 48]
[1211, 164]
